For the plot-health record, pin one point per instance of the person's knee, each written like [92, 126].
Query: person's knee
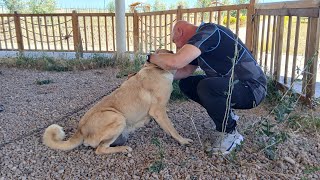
[183, 85]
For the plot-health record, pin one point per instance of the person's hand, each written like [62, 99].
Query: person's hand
[159, 51]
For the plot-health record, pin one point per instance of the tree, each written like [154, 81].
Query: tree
[14, 5]
[111, 6]
[41, 6]
[159, 6]
[183, 3]
[203, 3]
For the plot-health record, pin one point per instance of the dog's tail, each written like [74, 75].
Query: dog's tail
[54, 135]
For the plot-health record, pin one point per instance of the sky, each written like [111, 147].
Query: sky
[99, 4]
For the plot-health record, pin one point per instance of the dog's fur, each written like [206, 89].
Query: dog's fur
[127, 108]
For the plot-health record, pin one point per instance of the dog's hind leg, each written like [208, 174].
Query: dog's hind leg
[110, 135]
[160, 115]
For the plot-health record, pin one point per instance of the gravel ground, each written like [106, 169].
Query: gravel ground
[29, 108]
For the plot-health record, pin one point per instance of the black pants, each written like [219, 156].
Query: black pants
[211, 93]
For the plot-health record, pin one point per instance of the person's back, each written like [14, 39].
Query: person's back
[221, 43]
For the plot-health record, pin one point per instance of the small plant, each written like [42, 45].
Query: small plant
[42, 82]
[311, 169]
[128, 66]
[269, 139]
[177, 94]
[158, 165]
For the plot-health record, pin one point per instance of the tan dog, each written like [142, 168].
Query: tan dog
[124, 110]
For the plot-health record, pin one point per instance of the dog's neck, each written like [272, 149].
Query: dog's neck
[154, 65]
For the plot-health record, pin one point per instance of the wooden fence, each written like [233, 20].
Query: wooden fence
[286, 44]
[95, 32]
[282, 36]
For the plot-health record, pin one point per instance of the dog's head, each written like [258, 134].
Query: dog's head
[159, 51]
[162, 51]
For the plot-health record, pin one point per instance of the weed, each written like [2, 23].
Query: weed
[177, 94]
[158, 165]
[311, 169]
[128, 66]
[269, 139]
[42, 82]
[304, 122]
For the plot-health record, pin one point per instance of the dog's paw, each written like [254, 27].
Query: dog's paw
[128, 149]
[186, 141]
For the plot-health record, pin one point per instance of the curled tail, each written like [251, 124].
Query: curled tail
[54, 135]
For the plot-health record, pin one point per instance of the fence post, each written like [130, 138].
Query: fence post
[76, 35]
[179, 13]
[312, 58]
[18, 31]
[135, 31]
[249, 30]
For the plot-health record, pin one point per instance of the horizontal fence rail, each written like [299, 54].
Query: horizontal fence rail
[286, 44]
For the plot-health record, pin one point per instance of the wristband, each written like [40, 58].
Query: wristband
[148, 58]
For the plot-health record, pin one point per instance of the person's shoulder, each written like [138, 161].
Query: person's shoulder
[207, 26]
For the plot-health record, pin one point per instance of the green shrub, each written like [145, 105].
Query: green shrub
[243, 20]
[232, 20]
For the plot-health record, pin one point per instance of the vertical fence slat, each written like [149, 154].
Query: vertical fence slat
[60, 34]
[40, 32]
[195, 18]
[91, 33]
[127, 32]
[228, 18]
[160, 32]
[10, 32]
[85, 33]
[154, 31]
[295, 50]
[150, 31]
[99, 33]
[278, 50]
[287, 51]
[219, 17]
[273, 45]
[106, 31]
[145, 34]
[46, 28]
[34, 34]
[53, 33]
[237, 22]
[267, 45]
[312, 59]
[136, 31]
[113, 34]
[256, 36]
[18, 31]
[171, 18]
[304, 78]
[67, 35]
[262, 39]
[165, 32]
[4, 33]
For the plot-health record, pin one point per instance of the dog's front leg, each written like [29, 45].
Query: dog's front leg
[160, 115]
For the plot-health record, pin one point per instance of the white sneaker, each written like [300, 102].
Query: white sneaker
[227, 142]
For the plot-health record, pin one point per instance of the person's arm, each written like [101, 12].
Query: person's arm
[176, 61]
[185, 72]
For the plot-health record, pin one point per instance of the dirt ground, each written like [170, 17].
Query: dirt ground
[27, 108]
